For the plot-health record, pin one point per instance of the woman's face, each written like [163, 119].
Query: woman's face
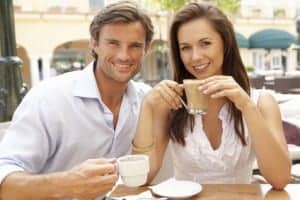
[201, 48]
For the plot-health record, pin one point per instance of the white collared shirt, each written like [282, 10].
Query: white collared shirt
[63, 122]
[230, 163]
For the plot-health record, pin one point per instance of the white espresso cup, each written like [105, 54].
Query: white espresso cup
[133, 169]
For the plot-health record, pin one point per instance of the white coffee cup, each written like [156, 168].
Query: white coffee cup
[133, 169]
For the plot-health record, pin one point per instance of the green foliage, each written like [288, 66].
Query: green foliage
[173, 5]
[228, 6]
[249, 68]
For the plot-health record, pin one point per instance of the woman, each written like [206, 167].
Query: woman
[239, 126]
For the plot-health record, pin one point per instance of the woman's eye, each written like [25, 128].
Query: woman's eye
[205, 43]
[184, 48]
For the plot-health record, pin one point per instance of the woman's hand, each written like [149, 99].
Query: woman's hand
[225, 86]
[165, 94]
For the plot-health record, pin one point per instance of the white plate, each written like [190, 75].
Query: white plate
[296, 170]
[175, 189]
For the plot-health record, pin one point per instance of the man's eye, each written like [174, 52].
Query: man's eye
[136, 46]
[112, 43]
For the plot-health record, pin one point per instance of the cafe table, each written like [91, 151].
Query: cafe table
[228, 192]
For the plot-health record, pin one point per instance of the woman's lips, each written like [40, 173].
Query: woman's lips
[200, 68]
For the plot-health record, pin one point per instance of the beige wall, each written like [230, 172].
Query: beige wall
[40, 34]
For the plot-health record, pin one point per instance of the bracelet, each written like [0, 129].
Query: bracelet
[142, 149]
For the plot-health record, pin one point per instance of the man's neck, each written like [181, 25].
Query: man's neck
[111, 91]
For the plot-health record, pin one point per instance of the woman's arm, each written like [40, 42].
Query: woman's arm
[152, 129]
[265, 126]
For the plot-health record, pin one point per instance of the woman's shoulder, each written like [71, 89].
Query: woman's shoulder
[260, 96]
[264, 99]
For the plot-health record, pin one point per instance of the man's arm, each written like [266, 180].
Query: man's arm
[93, 178]
[20, 185]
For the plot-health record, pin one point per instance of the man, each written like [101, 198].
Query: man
[67, 131]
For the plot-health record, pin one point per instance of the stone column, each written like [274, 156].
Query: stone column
[12, 89]
[298, 41]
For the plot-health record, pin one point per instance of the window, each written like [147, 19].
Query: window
[280, 13]
[96, 4]
[276, 59]
[258, 59]
[66, 61]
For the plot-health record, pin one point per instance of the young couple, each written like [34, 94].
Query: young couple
[65, 135]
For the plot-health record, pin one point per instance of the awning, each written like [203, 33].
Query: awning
[271, 39]
[242, 41]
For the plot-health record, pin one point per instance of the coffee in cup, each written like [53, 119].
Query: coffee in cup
[133, 169]
[197, 102]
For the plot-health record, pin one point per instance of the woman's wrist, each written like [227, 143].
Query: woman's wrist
[248, 106]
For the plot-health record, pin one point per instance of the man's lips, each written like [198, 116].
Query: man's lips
[123, 67]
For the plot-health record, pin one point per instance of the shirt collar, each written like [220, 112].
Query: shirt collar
[224, 113]
[86, 86]
[132, 93]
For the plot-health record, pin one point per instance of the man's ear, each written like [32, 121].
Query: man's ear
[147, 47]
[93, 43]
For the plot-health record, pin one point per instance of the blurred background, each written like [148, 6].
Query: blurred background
[52, 36]
[42, 39]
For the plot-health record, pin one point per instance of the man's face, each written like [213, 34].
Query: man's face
[120, 49]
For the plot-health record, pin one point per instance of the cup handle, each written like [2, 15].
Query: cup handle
[184, 104]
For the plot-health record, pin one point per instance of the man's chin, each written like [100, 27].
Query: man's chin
[123, 80]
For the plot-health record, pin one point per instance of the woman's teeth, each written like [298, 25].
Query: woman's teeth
[200, 67]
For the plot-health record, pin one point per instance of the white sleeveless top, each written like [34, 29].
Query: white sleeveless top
[198, 161]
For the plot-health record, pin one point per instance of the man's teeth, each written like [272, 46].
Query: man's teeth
[122, 66]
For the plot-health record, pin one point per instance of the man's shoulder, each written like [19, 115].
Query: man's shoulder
[55, 86]
[60, 81]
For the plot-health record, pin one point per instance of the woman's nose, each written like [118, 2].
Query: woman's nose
[197, 54]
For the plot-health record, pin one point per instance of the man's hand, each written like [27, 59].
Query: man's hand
[92, 178]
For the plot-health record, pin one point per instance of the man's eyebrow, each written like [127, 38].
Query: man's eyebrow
[111, 40]
[138, 43]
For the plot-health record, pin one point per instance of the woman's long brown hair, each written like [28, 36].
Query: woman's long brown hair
[232, 65]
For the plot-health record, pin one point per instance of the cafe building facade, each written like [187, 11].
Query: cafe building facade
[54, 39]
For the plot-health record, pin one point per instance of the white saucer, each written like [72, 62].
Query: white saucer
[175, 189]
[296, 170]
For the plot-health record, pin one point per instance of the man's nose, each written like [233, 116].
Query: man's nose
[123, 53]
